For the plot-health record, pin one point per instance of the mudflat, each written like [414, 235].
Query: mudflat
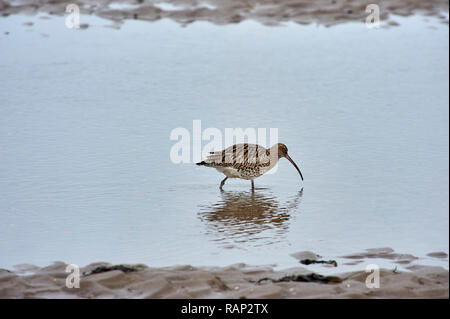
[103, 280]
[268, 12]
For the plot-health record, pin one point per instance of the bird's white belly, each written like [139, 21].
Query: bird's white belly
[229, 172]
[232, 172]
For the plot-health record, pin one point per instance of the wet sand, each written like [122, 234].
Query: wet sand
[268, 12]
[104, 280]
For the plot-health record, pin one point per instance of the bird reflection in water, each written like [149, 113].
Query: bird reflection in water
[254, 216]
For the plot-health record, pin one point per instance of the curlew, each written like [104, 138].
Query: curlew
[247, 161]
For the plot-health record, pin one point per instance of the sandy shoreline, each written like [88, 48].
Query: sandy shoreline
[103, 280]
[268, 12]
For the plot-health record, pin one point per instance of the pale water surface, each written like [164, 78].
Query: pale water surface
[85, 119]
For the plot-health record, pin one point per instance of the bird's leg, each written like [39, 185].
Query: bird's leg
[253, 185]
[222, 183]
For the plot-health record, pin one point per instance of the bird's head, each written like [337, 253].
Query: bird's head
[282, 151]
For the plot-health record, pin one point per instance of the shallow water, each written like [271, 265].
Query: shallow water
[86, 115]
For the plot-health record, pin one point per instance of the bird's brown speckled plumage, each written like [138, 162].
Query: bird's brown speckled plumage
[246, 161]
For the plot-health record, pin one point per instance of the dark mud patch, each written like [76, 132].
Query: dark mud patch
[312, 277]
[106, 268]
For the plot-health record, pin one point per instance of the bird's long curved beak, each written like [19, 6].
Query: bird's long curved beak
[295, 165]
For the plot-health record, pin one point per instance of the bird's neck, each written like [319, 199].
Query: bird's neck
[274, 156]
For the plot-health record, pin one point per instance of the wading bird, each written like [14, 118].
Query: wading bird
[247, 161]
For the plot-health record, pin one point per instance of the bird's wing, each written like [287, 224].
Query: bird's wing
[238, 155]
